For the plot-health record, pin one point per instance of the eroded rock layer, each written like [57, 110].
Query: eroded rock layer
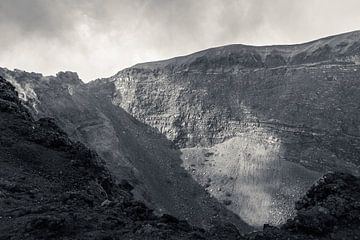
[260, 109]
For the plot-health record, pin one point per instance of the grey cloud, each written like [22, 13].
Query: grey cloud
[39, 17]
[99, 37]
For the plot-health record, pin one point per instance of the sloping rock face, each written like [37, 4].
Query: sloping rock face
[294, 108]
[306, 95]
[54, 188]
[133, 151]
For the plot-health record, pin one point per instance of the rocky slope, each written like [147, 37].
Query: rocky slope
[254, 114]
[55, 188]
[303, 94]
[133, 151]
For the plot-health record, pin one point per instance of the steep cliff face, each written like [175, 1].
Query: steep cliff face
[259, 109]
[307, 95]
[132, 150]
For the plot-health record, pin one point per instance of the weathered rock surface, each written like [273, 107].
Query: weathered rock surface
[263, 108]
[306, 95]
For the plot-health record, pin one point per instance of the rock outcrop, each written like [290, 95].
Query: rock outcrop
[270, 110]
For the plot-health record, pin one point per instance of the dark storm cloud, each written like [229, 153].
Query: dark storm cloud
[99, 37]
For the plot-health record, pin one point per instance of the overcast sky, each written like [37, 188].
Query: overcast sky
[97, 38]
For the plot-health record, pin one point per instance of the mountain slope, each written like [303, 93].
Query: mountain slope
[54, 188]
[254, 126]
[276, 107]
[195, 97]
